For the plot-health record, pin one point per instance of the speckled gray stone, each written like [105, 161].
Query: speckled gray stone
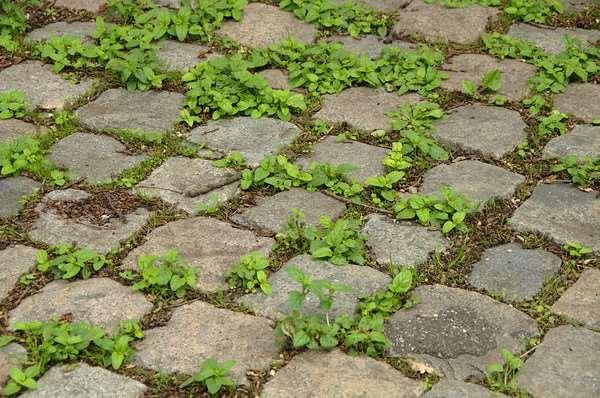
[457, 332]
[362, 108]
[563, 213]
[276, 78]
[370, 44]
[176, 55]
[582, 300]
[95, 158]
[565, 364]
[11, 355]
[577, 100]
[80, 30]
[582, 141]
[12, 190]
[489, 130]
[253, 138]
[551, 39]
[449, 388]
[12, 129]
[362, 280]
[199, 331]
[578, 5]
[401, 243]
[271, 213]
[210, 245]
[14, 261]
[99, 301]
[519, 273]
[93, 6]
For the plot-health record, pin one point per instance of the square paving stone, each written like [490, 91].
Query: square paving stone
[449, 388]
[551, 39]
[271, 213]
[489, 130]
[457, 332]
[12, 190]
[367, 159]
[563, 213]
[93, 6]
[565, 364]
[180, 56]
[14, 262]
[263, 25]
[582, 141]
[473, 67]
[363, 108]
[437, 23]
[371, 45]
[582, 300]
[210, 245]
[253, 138]
[95, 158]
[80, 30]
[117, 108]
[580, 100]
[199, 331]
[361, 279]
[187, 183]
[477, 181]
[401, 243]
[519, 273]
[335, 374]
[100, 301]
[42, 87]
[12, 129]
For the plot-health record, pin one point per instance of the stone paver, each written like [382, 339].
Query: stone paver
[80, 30]
[578, 5]
[151, 111]
[582, 300]
[11, 129]
[263, 25]
[363, 281]
[401, 243]
[563, 213]
[253, 138]
[477, 181]
[42, 87]
[335, 374]
[83, 380]
[182, 56]
[14, 261]
[271, 213]
[210, 245]
[437, 23]
[93, 6]
[489, 130]
[564, 365]
[473, 67]
[520, 273]
[448, 388]
[276, 78]
[12, 190]
[576, 101]
[457, 332]
[99, 301]
[187, 183]
[582, 141]
[199, 331]
[365, 158]
[11, 355]
[371, 45]
[362, 108]
[551, 39]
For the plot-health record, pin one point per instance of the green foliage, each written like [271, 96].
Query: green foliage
[552, 124]
[577, 250]
[538, 11]
[213, 375]
[391, 300]
[163, 276]
[67, 262]
[12, 104]
[535, 103]
[468, 87]
[250, 273]
[464, 3]
[502, 377]
[395, 159]
[492, 81]
[233, 159]
[67, 51]
[21, 155]
[583, 171]
[21, 379]
[13, 22]
[383, 186]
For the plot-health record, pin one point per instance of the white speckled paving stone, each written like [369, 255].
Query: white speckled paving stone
[14, 262]
[578, 100]
[449, 388]
[276, 78]
[180, 56]
[93, 6]
[370, 44]
[551, 39]
[80, 30]
[582, 141]
[12, 191]
[12, 129]
[582, 300]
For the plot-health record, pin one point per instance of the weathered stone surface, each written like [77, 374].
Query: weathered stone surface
[276, 78]
[99, 301]
[67, 195]
[562, 212]
[152, 111]
[401, 243]
[362, 107]
[363, 281]
[253, 138]
[199, 331]
[12, 189]
[14, 261]
[96, 158]
[176, 55]
[582, 141]
[82, 380]
[271, 213]
[477, 181]
[371, 45]
[11, 355]
[210, 245]
[53, 228]
[11, 129]
[448, 388]
[582, 300]
[577, 100]
[473, 67]
[187, 183]
[520, 273]
[457, 332]
[564, 365]
[263, 25]
[578, 5]
[551, 39]
[437, 23]
[94, 6]
[42, 87]
[366, 158]
[335, 374]
[489, 130]
[80, 30]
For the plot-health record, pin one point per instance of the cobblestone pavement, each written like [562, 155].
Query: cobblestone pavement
[129, 170]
